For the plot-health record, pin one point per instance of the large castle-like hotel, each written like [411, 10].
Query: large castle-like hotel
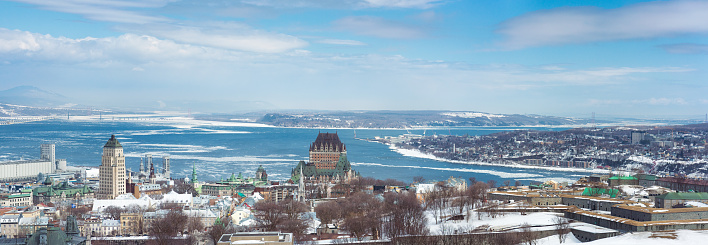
[328, 161]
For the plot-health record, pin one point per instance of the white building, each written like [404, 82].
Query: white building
[24, 170]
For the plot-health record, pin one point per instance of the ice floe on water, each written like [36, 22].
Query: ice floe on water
[179, 148]
[212, 159]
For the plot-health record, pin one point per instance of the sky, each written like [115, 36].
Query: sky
[564, 58]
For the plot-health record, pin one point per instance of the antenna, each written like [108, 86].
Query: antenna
[593, 120]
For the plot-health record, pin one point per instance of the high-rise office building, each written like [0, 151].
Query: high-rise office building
[47, 153]
[166, 167]
[112, 170]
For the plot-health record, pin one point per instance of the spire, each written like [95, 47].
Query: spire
[194, 174]
[301, 188]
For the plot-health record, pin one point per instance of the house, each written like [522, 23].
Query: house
[131, 224]
[9, 224]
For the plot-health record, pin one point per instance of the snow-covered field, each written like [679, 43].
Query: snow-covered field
[544, 221]
[508, 220]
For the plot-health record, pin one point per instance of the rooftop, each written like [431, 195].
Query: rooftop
[113, 142]
[684, 196]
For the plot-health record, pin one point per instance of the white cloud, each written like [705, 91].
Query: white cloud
[665, 101]
[650, 101]
[118, 11]
[148, 53]
[621, 71]
[685, 48]
[342, 42]
[378, 27]
[226, 35]
[590, 24]
[422, 4]
[27, 46]
[419, 4]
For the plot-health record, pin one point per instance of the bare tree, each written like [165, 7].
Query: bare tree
[527, 235]
[517, 183]
[113, 212]
[562, 227]
[403, 215]
[357, 226]
[293, 222]
[182, 187]
[217, 230]
[194, 224]
[285, 215]
[269, 215]
[418, 179]
[362, 215]
[507, 182]
[492, 183]
[328, 212]
[163, 230]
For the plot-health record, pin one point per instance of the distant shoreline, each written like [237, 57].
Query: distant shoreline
[420, 154]
[177, 116]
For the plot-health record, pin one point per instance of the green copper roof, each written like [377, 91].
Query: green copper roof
[309, 170]
[194, 174]
[623, 177]
[600, 191]
[684, 196]
[113, 142]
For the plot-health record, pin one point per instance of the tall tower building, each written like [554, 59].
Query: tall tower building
[46, 152]
[148, 162]
[112, 170]
[166, 167]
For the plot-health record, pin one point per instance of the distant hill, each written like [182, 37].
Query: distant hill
[403, 119]
[32, 96]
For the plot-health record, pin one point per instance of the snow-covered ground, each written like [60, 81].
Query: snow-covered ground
[418, 154]
[682, 237]
[545, 221]
[539, 219]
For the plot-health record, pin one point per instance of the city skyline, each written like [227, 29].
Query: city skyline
[529, 57]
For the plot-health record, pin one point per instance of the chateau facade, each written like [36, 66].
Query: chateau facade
[328, 161]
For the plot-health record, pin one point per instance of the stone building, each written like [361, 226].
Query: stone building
[112, 170]
[236, 184]
[62, 193]
[639, 213]
[15, 200]
[672, 199]
[683, 184]
[623, 180]
[328, 161]
[131, 224]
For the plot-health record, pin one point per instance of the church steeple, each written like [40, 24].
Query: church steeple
[194, 174]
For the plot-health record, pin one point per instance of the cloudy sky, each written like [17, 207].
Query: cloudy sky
[506, 56]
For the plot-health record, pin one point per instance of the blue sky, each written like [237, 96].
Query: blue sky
[568, 58]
